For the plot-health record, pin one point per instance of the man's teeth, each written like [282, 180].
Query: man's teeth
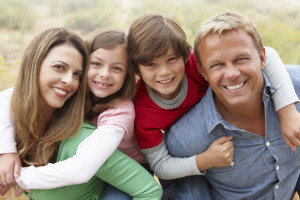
[59, 91]
[167, 81]
[233, 87]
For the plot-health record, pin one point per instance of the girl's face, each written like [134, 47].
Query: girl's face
[59, 76]
[107, 71]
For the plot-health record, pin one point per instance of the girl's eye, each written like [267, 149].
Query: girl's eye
[96, 64]
[117, 68]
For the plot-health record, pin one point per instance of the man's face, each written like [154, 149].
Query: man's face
[232, 66]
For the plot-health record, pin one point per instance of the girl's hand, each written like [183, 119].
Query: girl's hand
[10, 167]
[290, 125]
[219, 154]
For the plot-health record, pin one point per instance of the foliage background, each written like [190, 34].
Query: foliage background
[278, 22]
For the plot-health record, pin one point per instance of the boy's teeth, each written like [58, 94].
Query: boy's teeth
[59, 91]
[167, 81]
[233, 87]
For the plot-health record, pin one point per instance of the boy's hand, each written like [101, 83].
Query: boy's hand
[219, 154]
[10, 167]
[290, 125]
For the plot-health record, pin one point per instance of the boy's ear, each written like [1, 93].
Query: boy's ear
[201, 71]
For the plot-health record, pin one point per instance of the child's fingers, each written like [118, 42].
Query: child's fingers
[19, 191]
[17, 169]
[289, 143]
[223, 139]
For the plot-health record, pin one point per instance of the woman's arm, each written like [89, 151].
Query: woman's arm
[127, 175]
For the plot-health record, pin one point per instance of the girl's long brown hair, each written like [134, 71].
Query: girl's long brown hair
[108, 38]
[33, 137]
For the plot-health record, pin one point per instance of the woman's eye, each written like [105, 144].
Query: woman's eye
[78, 74]
[60, 67]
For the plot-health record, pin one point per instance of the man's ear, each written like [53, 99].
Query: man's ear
[202, 71]
[263, 59]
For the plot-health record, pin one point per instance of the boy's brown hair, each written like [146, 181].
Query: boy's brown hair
[152, 36]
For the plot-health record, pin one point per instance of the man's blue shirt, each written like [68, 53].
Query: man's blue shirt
[264, 167]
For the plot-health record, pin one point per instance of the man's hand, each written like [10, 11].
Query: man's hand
[10, 167]
[219, 154]
[290, 125]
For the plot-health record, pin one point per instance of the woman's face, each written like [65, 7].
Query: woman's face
[59, 77]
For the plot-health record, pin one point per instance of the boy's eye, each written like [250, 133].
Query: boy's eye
[171, 59]
[150, 64]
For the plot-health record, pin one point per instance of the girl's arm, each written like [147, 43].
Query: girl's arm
[284, 98]
[10, 164]
[90, 154]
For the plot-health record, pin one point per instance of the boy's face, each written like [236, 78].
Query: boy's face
[232, 66]
[164, 75]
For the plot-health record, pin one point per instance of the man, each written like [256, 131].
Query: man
[231, 57]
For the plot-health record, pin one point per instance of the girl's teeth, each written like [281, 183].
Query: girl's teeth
[233, 87]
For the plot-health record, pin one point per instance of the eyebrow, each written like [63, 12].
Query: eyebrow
[113, 63]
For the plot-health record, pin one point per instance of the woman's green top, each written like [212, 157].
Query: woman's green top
[119, 170]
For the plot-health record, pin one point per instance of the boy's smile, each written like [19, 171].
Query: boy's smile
[164, 75]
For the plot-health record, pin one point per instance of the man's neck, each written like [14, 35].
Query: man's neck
[250, 118]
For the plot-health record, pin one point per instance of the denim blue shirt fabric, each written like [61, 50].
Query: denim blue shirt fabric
[264, 167]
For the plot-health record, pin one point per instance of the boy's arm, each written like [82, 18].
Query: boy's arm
[219, 154]
[167, 167]
[127, 175]
[284, 98]
[90, 155]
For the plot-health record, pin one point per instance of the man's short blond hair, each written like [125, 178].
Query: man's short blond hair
[227, 21]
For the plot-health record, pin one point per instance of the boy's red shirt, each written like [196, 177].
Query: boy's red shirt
[151, 120]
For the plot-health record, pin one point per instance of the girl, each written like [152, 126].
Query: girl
[111, 87]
